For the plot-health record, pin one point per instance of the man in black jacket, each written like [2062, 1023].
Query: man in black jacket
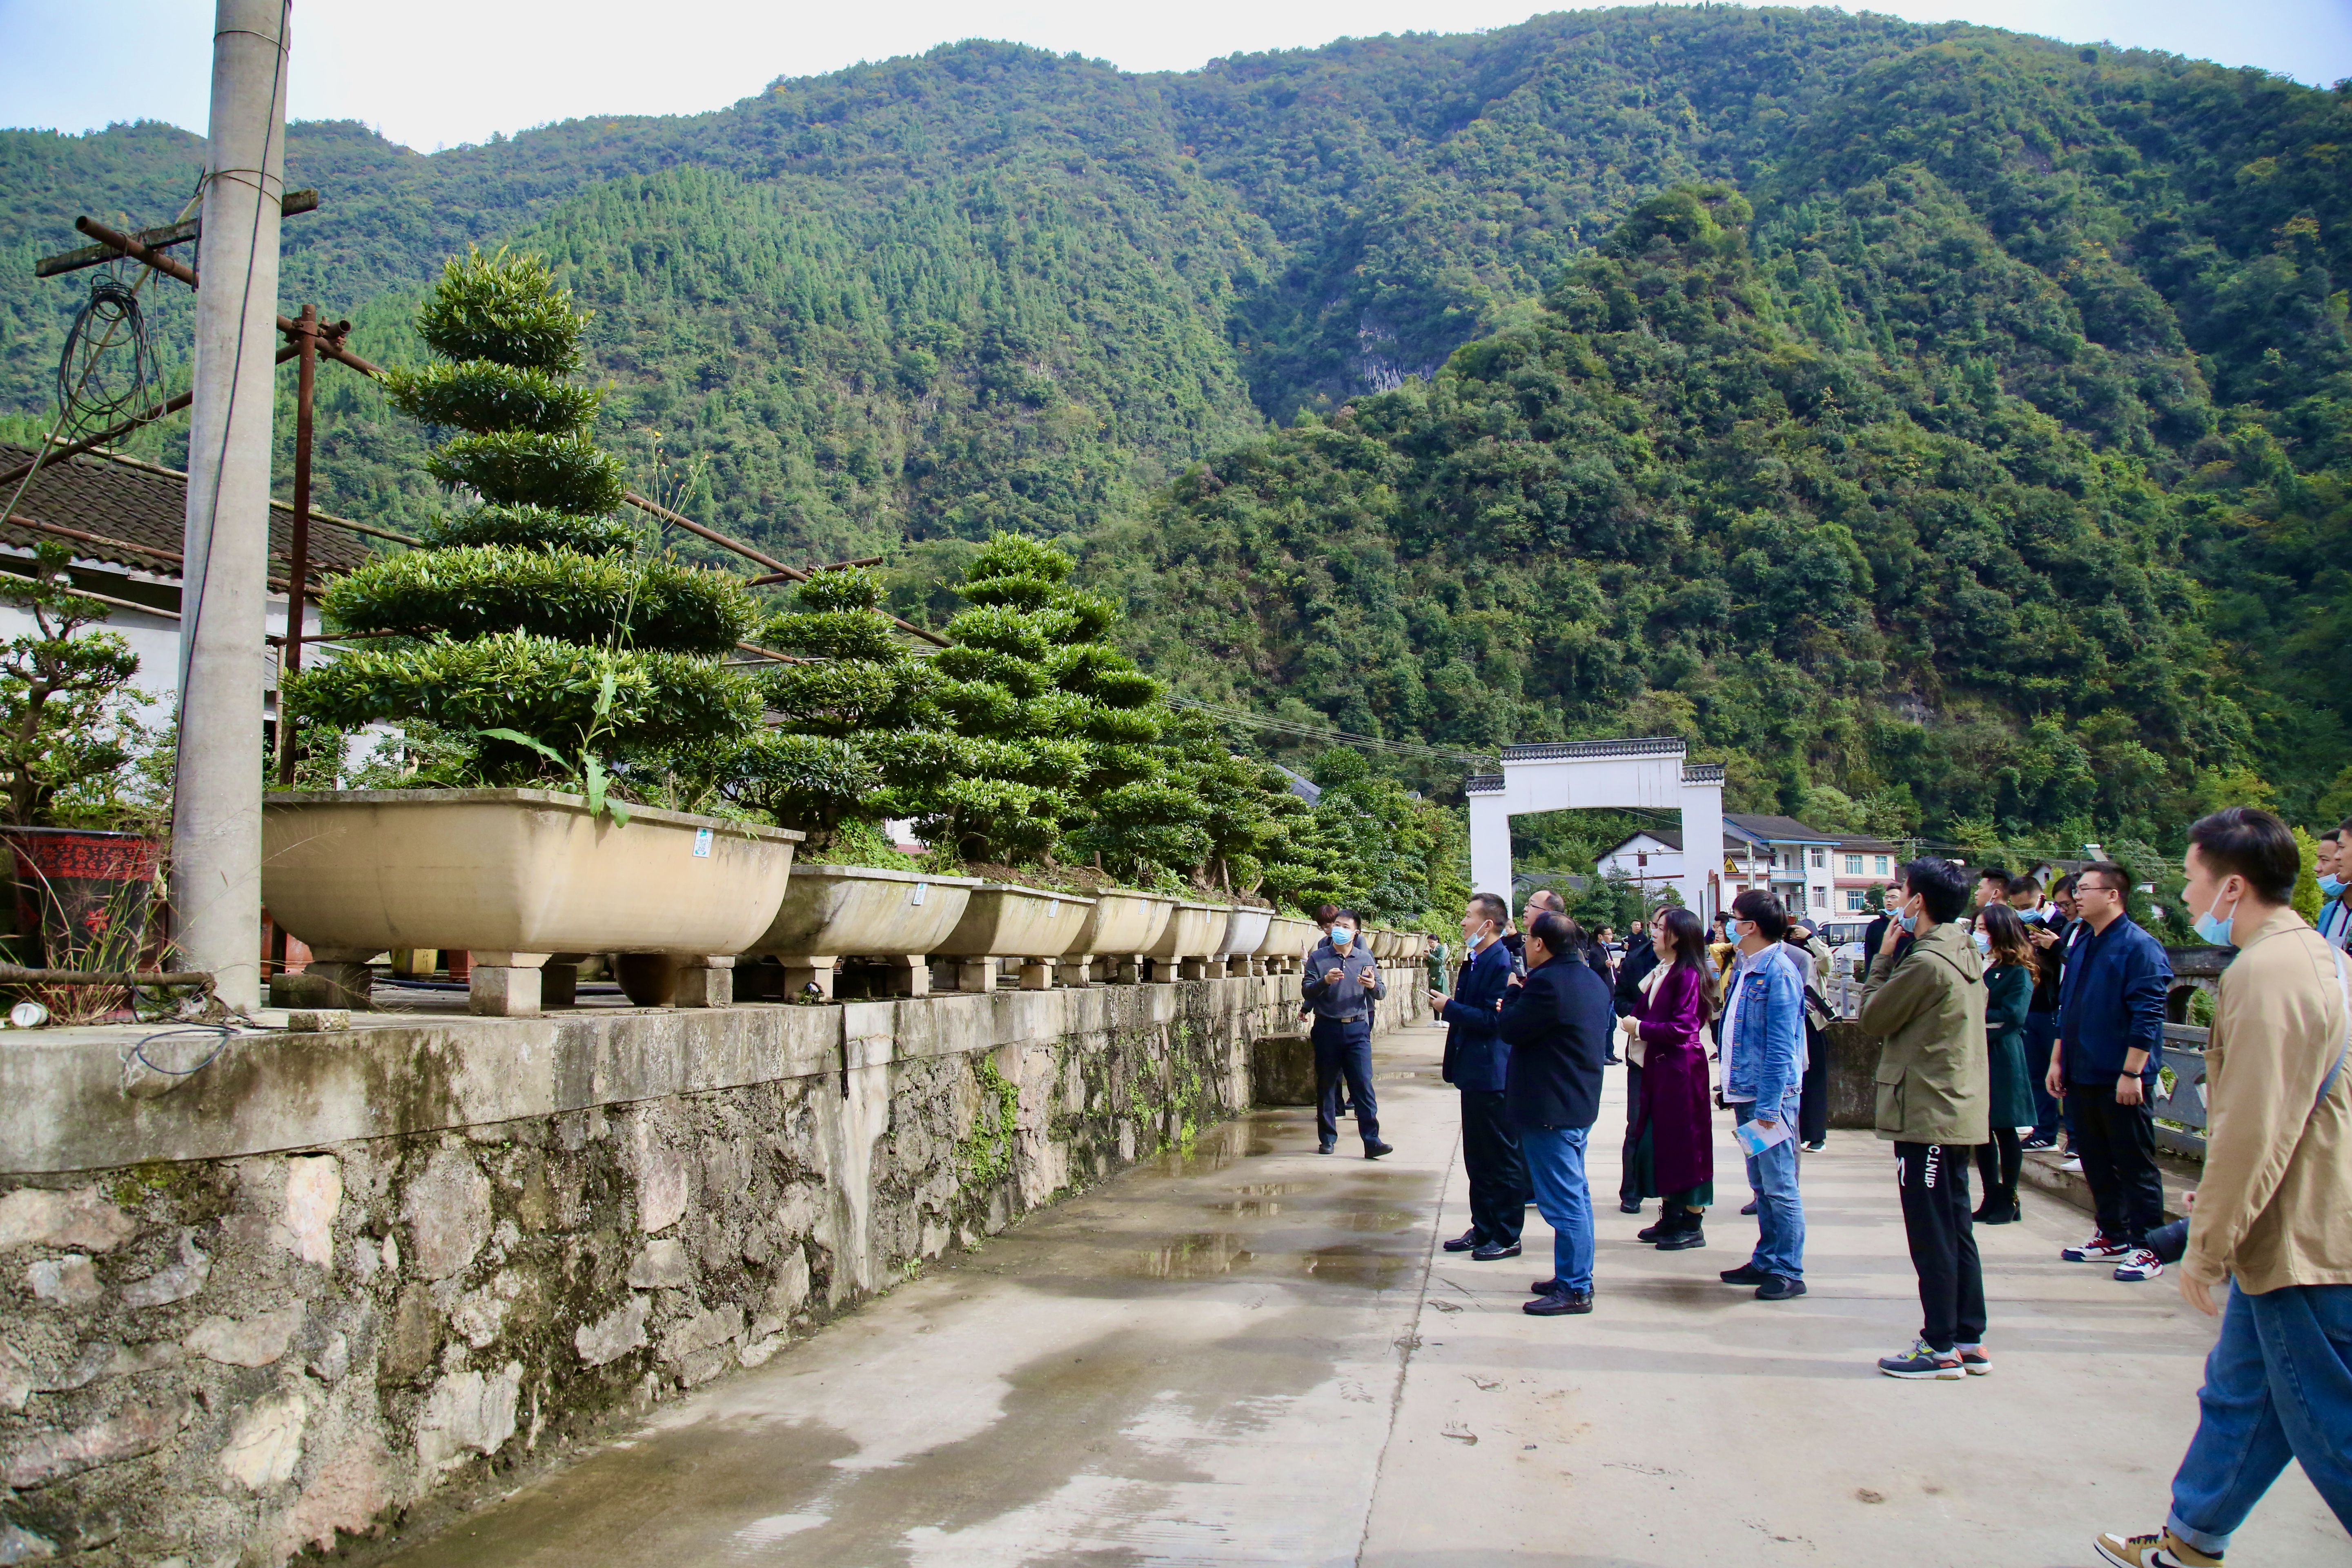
[1474, 1062]
[1556, 1023]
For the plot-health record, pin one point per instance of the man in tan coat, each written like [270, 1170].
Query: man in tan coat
[1926, 1007]
[2274, 1213]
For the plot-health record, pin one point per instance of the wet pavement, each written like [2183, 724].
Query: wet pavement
[1254, 1353]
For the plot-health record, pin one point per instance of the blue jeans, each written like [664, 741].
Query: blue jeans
[1555, 1157]
[2040, 1037]
[2278, 1385]
[1780, 1212]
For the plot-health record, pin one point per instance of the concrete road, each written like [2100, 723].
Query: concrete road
[1257, 1355]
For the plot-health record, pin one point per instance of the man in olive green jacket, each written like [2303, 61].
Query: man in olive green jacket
[2274, 1212]
[1927, 1010]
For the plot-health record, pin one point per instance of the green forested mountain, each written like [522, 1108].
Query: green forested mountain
[1973, 451]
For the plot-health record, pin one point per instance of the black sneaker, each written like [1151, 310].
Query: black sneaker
[1746, 1274]
[1558, 1304]
[2037, 1144]
[1682, 1239]
[1545, 1286]
[1491, 1252]
[1325, 1148]
[1780, 1288]
[1375, 1149]
[1814, 1145]
[1465, 1242]
[1629, 1207]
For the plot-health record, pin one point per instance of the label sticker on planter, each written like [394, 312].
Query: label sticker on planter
[921, 888]
[702, 843]
[1052, 909]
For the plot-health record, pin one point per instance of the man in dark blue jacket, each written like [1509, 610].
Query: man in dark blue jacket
[1556, 1024]
[2110, 1044]
[1476, 1061]
[1342, 982]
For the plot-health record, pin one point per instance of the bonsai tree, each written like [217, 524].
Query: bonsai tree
[530, 627]
[67, 733]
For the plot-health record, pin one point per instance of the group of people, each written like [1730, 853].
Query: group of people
[2002, 1013]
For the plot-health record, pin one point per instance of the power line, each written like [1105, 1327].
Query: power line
[1331, 737]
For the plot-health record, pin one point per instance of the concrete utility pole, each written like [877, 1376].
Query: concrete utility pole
[216, 811]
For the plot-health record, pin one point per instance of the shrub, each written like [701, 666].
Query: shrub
[530, 528]
[482, 589]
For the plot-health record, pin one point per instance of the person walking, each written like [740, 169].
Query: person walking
[2274, 1213]
[1633, 1183]
[1665, 1047]
[1763, 1076]
[2046, 927]
[2110, 1045]
[1926, 1010]
[1556, 1023]
[1476, 1060]
[1342, 982]
[2009, 990]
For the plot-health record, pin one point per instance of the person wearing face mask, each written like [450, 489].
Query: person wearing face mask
[2335, 888]
[2110, 1047]
[2274, 1212]
[1478, 1064]
[1763, 1076]
[1926, 1010]
[2009, 987]
[1342, 982]
[2045, 933]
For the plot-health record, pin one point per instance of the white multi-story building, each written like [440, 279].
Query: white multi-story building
[1782, 856]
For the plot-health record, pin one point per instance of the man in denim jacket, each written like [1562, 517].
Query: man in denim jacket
[1763, 1076]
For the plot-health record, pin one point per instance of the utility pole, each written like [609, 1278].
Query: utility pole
[217, 810]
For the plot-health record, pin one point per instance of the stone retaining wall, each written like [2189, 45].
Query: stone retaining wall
[330, 1274]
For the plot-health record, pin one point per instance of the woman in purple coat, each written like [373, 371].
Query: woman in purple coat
[1668, 1030]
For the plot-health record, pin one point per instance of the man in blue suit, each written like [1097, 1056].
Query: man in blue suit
[1476, 1061]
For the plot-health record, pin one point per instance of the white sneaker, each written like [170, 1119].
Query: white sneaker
[2071, 1162]
[2098, 1249]
[2139, 1264]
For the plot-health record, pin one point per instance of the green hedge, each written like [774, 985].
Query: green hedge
[529, 528]
[481, 395]
[480, 590]
[562, 473]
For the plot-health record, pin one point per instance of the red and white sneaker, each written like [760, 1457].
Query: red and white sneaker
[2100, 1248]
[2139, 1264]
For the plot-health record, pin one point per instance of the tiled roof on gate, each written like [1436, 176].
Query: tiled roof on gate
[141, 511]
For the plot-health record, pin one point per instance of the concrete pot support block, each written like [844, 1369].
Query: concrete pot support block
[1194, 931]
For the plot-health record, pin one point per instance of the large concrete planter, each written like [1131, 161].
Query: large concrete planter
[1245, 931]
[1284, 944]
[833, 912]
[515, 877]
[1193, 932]
[1118, 933]
[1004, 919]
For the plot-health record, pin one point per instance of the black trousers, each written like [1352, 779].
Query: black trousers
[1498, 1174]
[2117, 1145]
[1933, 1179]
[1999, 1163]
[1344, 1050]
[1630, 1183]
[1813, 1102]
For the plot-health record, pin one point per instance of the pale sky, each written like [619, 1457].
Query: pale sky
[441, 72]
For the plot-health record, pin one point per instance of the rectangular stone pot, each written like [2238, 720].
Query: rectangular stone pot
[1285, 942]
[514, 875]
[1004, 919]
[1193, 932]
[1245, 929]
[1118, 933]
[833, 912]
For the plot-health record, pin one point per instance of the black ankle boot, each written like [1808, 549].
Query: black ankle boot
[1691, 1231]
[2000, 1208]
[1669, 1221]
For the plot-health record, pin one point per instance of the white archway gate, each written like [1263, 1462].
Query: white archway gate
[1569, 775]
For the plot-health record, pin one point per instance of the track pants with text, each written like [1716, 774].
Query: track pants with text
[1933, 1179]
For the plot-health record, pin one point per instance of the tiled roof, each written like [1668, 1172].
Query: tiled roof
[137, 514]
[1562, 751]
[1672, 837]
[1776, 829]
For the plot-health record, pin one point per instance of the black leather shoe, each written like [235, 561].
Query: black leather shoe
[1692, 1233]
[1558, 1304]
[1545, 1286]
[1375, 1149]
[1325, 1148]
[1749, 1209]
[1629, 1207]
[1465, 1242]
[1746, 1274]
[1611, 1060]
[1491, 1251]
[1780, 1288]
[1668, 1223]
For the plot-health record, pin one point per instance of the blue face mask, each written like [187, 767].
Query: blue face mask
[2217, 932]
[1984, 944]
[2031, 917]
[2329, 887]
[1341, 936]
[1908, 921]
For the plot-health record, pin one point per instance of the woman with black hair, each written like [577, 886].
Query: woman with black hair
[2008, 951]
[1667, 1038]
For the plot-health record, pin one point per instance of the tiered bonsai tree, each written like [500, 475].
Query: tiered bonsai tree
[531, 631]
